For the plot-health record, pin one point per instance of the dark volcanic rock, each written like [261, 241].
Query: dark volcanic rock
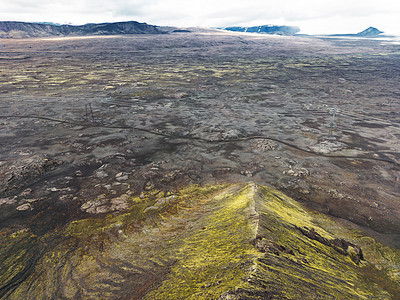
[23, 29]
[371, 31]
[340, 245]
[269, 29]
[21, 172]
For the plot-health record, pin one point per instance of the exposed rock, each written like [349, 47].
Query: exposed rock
[340, 245]
[229, 134]
[103, 205]
[54, 189]
[297, 172]
[101, 174]
[265, 245]
[24, 170]
[24, 207]
[161, 203]
[121, 176]
[119, 203]
[7, 201]
[326, 147]
[96, 206]
[26, 192]
[263, 145]
[252, 168]
[248, 173]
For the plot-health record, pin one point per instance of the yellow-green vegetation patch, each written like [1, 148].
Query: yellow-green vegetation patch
[217, 257]
[14, 252]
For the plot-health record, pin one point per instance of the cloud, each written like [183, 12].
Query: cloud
[328, 15]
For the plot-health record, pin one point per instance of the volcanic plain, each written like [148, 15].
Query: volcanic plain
[95, 128]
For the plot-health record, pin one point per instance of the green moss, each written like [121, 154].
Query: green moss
[216, 257]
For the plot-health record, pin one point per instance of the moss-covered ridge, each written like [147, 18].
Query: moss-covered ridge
[228, 242]
[309, 256]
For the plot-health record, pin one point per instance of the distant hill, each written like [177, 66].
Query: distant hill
[25, 30]
[369, 32]
[268, 29]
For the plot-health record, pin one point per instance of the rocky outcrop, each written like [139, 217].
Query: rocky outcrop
[269, 29]
[23, 171]
[340, 245]
[25, 30]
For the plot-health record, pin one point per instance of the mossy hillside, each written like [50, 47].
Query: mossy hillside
[14, 252]
[293, 266]
[382, 257]
[306, 268]
[233, 240]
[97, 257]
[217, 257]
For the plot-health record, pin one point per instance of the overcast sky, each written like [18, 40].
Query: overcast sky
[312, 16]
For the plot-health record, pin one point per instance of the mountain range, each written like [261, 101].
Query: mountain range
[10, 29]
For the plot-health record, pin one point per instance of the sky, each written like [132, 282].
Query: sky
[312, 16]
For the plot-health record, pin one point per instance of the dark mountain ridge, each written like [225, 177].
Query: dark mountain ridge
[11, 29]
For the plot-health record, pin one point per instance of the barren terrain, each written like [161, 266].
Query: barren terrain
[87, 123]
